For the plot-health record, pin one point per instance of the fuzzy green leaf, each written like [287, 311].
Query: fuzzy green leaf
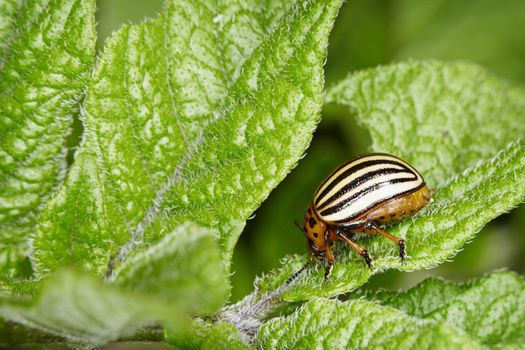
[83, 309]
[8, 10]
[412, 113]
[223, 336]
[425, 112]
[183, 274]
[491, 309]
[359, 324]
[428, 296]
[206, 335]
[184, 266]
[194, 116]
[47, 51]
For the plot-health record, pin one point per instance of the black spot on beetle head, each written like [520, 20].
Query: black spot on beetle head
[312, 222]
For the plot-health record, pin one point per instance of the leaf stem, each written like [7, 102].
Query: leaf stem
[247, 314]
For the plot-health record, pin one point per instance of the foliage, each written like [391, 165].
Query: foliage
[433, 315]
[42, 78]
[84, 310]
[190, 120]
[202, 137]
[490, 309]
[242, 119]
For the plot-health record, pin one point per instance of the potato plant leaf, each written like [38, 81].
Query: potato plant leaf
[193, 116]
[207, 335]
[358, 324]
[184, 266]
[8, 11]
[426, 111]
[182, 275]
[84, 310]
[46, 54]
[484, 313]
[491, 309]
[459, 210]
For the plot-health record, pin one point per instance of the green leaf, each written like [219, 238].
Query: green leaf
[47, 50]
[206, 335]
[426, 111]
[14, 335]
[184, 266]
[426, 297]
[410, 127]
[224, 336]
[8, 9]
[83, 309]
[358, 324]
[183, 274]
[194, 116]
[490, 309]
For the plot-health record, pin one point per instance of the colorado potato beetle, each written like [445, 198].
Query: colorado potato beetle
[361, 196]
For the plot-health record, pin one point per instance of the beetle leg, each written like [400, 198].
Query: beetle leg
[329, 262]
[329, 256]
[374, 228]
[328, 270]
[362, 251]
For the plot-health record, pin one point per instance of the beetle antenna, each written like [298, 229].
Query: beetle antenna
[296, 274]
[298, 225]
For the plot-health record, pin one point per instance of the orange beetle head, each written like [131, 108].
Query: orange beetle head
[314, 230]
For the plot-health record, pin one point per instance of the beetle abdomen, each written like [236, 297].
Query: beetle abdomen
[363, 184]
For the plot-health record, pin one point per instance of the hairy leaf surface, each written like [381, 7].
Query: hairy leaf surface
[490, 309]
[185, 265]
[8, 9]
[196, 116]
[182, 275]
[458, 211]
[206, 335]
[358, 324]
[84, 310]
[42, 78]
[441, 117]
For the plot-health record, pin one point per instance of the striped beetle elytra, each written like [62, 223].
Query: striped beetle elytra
[361, 196]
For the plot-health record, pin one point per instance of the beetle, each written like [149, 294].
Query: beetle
[361, 196]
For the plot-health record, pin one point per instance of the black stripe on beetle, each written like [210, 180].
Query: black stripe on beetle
[377, 174]
[369, 190]
[331, 182]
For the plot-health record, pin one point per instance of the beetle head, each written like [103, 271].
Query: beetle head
[314, 230]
